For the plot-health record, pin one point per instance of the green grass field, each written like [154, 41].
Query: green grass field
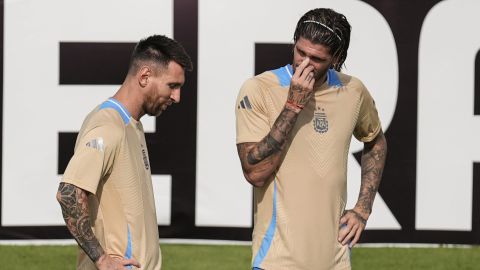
[208, 257]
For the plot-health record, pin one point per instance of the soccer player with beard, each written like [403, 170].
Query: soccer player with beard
[294, 126]
[106, 194]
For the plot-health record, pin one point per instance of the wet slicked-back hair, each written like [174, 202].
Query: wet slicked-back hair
[159, 50]
[327, 27]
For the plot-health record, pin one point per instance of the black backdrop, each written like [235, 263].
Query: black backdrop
[398, 185]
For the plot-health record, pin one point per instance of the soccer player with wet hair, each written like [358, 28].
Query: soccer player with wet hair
[294, 126]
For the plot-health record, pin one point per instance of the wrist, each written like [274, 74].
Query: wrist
[293, 106]
[100, 260]
[361, 212]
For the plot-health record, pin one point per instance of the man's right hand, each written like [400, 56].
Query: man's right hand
[106, 262]
[301, 86]
[261, 160]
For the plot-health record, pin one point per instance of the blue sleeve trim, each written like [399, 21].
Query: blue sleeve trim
[268, 238]
[115, 104]
[284, 75]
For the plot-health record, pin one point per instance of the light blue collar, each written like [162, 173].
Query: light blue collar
[285, 73]
[115, 104]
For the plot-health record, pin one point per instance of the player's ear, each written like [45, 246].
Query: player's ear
[143, 76]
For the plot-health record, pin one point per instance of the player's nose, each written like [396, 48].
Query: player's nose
[175, 96]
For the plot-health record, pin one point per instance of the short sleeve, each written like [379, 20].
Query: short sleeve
[93, 159]
[251, 115]
[368, 124]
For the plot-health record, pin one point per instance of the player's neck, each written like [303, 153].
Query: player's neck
[130, 100]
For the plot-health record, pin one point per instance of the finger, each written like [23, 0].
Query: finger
[344, 230]
[309, 76]
[306, 81]
[305, 72]
[301, 67]
[131, 262]
[357, 237]
[350, 235]
[344, 219]
[311, 82]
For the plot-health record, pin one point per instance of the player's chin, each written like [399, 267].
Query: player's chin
[155, 112]
[319, 74]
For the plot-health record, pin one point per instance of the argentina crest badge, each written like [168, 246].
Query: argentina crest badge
[320, 122]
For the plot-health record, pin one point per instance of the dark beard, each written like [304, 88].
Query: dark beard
[150, 111]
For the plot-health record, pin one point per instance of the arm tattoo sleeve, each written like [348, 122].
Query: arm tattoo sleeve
[357, 215]
[298, 96]
[373, 162]
[73, 201]
[276, 138]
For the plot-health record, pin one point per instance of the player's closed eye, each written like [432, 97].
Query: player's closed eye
[317, 60]
[174, 86]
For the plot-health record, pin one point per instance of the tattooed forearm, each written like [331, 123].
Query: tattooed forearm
[373, 162]
[267, 147]
[275, 140]
[298, 96]
[261, 160]
[74, 203]
[357, 215]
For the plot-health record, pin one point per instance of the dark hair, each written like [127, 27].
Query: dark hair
[337, 38]
[160, 50]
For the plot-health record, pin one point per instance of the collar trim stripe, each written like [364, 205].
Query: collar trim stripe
[285, 73]
[332, 78]
[116, 105]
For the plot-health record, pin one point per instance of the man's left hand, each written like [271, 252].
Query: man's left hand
[352, 225]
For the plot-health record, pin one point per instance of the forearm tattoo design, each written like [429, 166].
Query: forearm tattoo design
[373, 162]
[357, 215]
[276, 138]
[74, 205]
[298, 96]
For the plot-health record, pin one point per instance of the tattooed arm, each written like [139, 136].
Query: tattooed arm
[74, 203]
[260, 160]
[373, 162]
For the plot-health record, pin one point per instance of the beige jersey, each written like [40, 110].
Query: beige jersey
[111, 162]
[297, 214]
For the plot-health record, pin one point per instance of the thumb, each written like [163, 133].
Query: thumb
[343, 220]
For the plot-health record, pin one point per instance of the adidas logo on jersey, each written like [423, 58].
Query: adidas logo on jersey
[245, 104]
[96, 143]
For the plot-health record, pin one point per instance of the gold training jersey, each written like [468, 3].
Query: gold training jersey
[111, 162]
[297, 213]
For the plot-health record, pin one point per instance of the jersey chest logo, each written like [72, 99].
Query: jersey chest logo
[320, 122]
